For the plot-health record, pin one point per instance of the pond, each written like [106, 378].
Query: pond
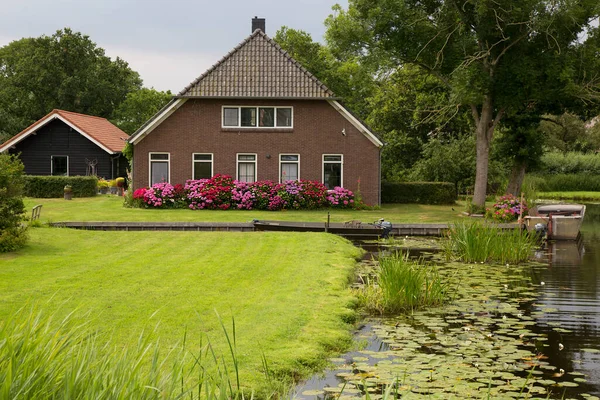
[510, 332]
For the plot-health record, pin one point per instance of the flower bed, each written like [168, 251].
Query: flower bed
[506, 209]
[223, 192]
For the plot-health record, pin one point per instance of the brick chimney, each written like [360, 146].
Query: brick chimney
[258, 23]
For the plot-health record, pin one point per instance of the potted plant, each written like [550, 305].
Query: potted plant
[103, 186]
[112, 184]
[68, 192]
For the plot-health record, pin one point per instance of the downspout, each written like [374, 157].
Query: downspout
[379, 168]
[112, 165]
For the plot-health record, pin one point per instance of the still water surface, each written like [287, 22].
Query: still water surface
[566, 310]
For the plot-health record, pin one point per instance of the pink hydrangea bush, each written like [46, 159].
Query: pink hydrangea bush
[161, 195]
[222, 192]
[340, 197]
[506, 209]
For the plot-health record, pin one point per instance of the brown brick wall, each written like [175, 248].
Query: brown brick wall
[196, 128]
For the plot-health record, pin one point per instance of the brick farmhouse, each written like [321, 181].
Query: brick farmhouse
[257, 114]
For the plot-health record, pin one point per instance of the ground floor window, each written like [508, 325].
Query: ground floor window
[289, 167]
[159, 168]
[332, 170]
[246, 167]
[202, 166]
[59, 165]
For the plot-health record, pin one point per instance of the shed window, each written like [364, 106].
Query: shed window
[60, 165]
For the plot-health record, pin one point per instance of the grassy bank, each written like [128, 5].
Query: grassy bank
[575, 196]
[110, 208]
[286, 291]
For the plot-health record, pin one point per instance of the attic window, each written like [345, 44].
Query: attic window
[257, 117]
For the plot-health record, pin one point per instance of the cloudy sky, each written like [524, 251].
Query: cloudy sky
[169, 43]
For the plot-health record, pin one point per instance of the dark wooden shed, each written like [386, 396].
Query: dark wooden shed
[68, 143]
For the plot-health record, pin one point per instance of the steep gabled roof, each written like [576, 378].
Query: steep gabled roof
[257, 68]
[99, 130]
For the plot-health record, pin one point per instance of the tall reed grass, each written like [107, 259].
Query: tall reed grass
[402, 285]
[475, 242]
[44, 359]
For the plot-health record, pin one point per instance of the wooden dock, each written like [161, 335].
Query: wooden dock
[335, 228]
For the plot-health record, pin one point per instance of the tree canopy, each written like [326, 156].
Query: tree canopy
[138, 107]
[66, 71]
[497, 58]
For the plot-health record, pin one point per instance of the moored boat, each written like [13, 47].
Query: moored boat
[559, 221]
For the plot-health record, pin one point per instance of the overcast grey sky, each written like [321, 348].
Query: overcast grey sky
[169, 43]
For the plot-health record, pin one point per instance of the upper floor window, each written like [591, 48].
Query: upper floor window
[257, 117]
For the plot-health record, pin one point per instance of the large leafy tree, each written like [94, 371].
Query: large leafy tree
[66, 70]
[341, 72]
[497, 58]
[138, 107]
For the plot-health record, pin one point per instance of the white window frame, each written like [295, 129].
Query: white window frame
[288, 162]
[341, 162]
[52, 164]
[212, 162]
[237, 165]
[150, 161]
[239, 125]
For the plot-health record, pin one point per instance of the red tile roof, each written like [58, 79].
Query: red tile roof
[97, 129]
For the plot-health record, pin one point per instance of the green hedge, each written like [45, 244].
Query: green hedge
[418, 192]
[570, 163]
[564, 182]
[53, 186]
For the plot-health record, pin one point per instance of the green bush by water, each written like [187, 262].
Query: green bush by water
[402, 285]
[44, 359]
[475, 242]
[580, 182]
[571, 162]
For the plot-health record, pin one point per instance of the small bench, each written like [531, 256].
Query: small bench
[35, 213]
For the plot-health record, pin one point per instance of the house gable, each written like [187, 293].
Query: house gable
[258, 68]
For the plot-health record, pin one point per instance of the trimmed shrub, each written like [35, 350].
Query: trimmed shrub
[418, 192]
[565, 182]
[52, 186]
[13, 234]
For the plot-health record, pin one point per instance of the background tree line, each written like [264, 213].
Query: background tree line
[69, 71]
[469, 92]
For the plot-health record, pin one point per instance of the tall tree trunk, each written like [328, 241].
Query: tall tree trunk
[515, 181]
[485, 125]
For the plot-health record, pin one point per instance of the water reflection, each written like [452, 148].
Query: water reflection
[568, 309]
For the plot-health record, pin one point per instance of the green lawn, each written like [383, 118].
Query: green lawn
[110, 208]
[287, 291]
